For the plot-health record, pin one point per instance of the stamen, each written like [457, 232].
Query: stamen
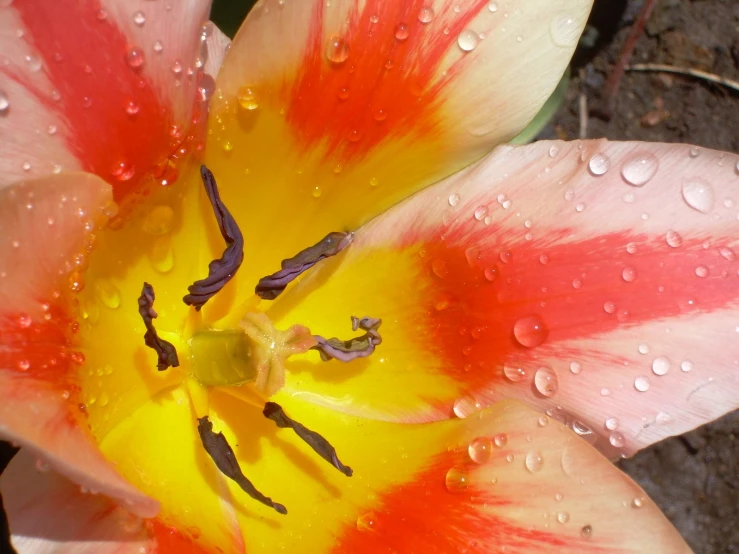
[358, 347]
[272, 286]
[220, 451]
[165, 350]
[220, 271]
[320, 445]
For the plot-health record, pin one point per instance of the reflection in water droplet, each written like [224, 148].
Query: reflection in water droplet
[637, 502]
[135, 58]
[514, 373]
[641, 383]
[468, 40]
[617, 439]
[673, 239]
[480, 450]
[247, 97]
[546, 381]
[639, 169]
[530, 331]
[337, 50]
[661, 365]
[402, 31]
[553, 151]
[612, 423]
[629, 274]
[698, 194]
[457, 479]
[564, 30]
[426, 15]
[599, 164]
[500, 440]
[465, 406]
[543, 421]
[534, 461]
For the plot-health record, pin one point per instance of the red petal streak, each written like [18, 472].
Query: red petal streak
[170, 540]
[387, 85]
[573, 290]
[423, 516]
[119, 127]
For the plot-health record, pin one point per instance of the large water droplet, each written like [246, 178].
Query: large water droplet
[530, 331]
[698, 194]
[639, 168]
[673, 239]
[514, 373]
[493, 7]
[661, 365]
[426, 15]
[599, 164]
[534, 461]
[468, 40]
[546, 381]
[617, 439]
[500, 440]
[629, 274]
[337, 50]
[465, 406]
[480, 450]
[641, 383]
[4, 103]
[612, 423]
[457, 479]
[402, 31]
[727, 253]
[135, 57]
[564, 30]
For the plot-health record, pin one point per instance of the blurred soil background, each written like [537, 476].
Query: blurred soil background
[694, 478]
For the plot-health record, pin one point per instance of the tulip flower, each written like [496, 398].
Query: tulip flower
[293, 302]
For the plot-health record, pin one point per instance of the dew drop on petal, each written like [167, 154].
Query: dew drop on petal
[465, 406]
[139, 18]
[686, 365]
[500, 440]
[629, 274]
[643, 349]
[564, 30]
[586, 531]
[493, 7]
[661, 365]
[457, 479]
[530, 331]
[543, 421]
[673, 239]
[468, 40]
[563, 517]
[698, 194]
[694, 152]
[534, 461]
[617, 439]
[637, 502]
[4, 103]
[426, 15]
[599, 164]
[480, 450]
[481, 212]
[440, 268]
[367, 522]
[641, 383]
[402, 31]
[609, 307]
[701, 271]
[727, 253]
[453, 199]
[135, 57]
[513, 373]
[553, 151]
[546, 381]
[612, 423]
[491, 273]
[337, 50]
[663, 418]
[575, 367]
[42, 466]
[639, 169]
[108, 293]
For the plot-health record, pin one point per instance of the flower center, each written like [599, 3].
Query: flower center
[255, 353]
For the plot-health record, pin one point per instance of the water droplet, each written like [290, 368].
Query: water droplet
[468, 40]
[513, 373]
[440, 268]
[158, 47]
[426, 15]
[123, 171]
[4, 103]
[631, 248]
[575, 367]
[491, 273]
[534, 461]
[480, 450]
[663, 418]
[563, 517]
[337, 50]
[609, 307]
[465, 406]
[694, 151]
[505, 257]
[402, 31]
[639, 168]
[135, 57]
[544, 259]
[176, 68]
[673, 239]
[481, 212]
[629, 274]
[139, 18]
[612, 423]
[617, 439]
[586, 532]
[493, 7]
[247, 98]
[530, 331]
[605, 391]
[132, 108]
[580, 208]
[108, 293]
[564, 30]
[158, 221]
[457, 479]
[686, 365]
[701, 271]
[643, 349]
[509, 458]
[316, 192]
[553, 151]
[698, 194]
[661, 365]
[367, 522]
[599, 164]
[546, 381]
[543, 421]
[161, 254]
[24, 365]
[104, 399]
[641, 383]
[727, 253]
[500, 440]
[582, 430]
[637, 502]
[453, 199]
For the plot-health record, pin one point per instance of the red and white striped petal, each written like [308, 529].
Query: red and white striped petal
[107, 87]
[596, 280]
[46, 227]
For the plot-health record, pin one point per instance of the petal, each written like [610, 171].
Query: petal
[85, 85]
[416, 489]
[554, 273]
[49, 514]
[322, 145]
[45, 225]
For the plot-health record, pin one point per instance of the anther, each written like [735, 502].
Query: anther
[222, 454]
[220, 271]
[357, 347]
[271, 286]
[319, 444]
[165, 350]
